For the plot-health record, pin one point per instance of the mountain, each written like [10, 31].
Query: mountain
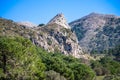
[39, 53]
[97, 32]
[60, 20]
[53, 37]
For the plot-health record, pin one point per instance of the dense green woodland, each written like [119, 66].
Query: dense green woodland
[21, 60]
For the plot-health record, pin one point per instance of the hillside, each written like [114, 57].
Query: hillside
[53, 51]
[97, 32]
[52, 37]
[22, 60]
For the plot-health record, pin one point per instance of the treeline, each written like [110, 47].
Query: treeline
[21, 60]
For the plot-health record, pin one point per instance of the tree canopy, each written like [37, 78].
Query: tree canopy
[19, 59]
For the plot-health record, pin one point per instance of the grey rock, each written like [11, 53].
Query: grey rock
[97, 32]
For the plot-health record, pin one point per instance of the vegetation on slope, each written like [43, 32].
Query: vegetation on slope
[107, 38]
[69, 67]
[109, 65]
[20, 59]
[97, 32]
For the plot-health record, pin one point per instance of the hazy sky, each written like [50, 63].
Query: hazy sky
[41, 11]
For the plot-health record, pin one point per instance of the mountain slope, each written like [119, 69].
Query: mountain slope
[97, 32]
[52, 37]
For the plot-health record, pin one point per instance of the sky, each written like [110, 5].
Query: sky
[41, 11]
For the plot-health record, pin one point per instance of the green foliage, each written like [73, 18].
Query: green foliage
[69, 67]
[19, 59]
[81, 71]
[111, 65]
[106, 66]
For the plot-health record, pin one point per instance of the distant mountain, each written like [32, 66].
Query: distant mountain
[53, 37]
[97, 32]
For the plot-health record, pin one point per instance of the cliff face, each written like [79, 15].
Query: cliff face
[97, 32]
[54, 37]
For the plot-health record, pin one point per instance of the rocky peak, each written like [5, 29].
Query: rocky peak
[60, 20]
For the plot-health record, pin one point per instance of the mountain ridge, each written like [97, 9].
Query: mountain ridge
[89, 27]
[92, 31]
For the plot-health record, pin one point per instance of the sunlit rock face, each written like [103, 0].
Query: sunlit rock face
[60, 20]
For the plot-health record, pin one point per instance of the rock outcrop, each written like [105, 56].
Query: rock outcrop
[60, 20]
[56, 38]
